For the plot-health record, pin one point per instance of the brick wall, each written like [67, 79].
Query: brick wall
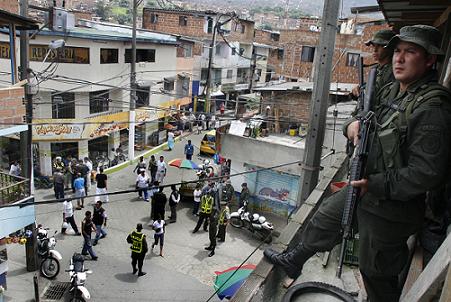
[12, 109]
[11, 6]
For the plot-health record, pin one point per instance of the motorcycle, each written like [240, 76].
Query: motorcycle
[77, 273]
[50, 265]
[253, 222]
[102, 161]
[205, 170]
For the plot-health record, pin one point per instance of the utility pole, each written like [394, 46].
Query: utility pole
[320, 97]
[210, 106]
[132, 113]
[253, 65]
[26, 150]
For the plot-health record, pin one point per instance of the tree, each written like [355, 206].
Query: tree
[103, 10]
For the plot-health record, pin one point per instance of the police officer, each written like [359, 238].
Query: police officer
[383, 56]
[408, 157]
[139, 249]
[206, 208]
[212, 230]
[223, 220]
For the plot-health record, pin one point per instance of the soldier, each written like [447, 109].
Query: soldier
[409, 157]
[383, 56]
[139, 249]
[223, 220]
[212, 230]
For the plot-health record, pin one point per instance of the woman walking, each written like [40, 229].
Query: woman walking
[171, 140]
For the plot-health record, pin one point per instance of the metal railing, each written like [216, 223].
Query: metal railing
[13, 188]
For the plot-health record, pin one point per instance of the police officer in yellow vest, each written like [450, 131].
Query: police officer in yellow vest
[139, 248]
[223, 220]
[206, 208]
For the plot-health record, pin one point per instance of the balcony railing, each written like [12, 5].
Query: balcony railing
[13, 188]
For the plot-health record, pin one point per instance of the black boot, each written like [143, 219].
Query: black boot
[291, 261]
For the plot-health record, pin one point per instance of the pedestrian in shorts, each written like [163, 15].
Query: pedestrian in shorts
[159, 226]
[79, 186]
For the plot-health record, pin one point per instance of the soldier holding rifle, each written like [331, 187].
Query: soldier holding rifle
[408, 156]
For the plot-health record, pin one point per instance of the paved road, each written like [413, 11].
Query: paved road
[185, 273]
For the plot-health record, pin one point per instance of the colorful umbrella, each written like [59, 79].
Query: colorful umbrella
[183, 163]
[229, 281]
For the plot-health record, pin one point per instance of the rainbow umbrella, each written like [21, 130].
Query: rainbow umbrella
[229, 281]
[183, 164]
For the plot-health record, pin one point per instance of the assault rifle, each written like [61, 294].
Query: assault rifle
[357, 169]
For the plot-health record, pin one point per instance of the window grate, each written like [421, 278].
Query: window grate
[56, 290]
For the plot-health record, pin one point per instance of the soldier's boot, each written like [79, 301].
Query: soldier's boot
[290, 261]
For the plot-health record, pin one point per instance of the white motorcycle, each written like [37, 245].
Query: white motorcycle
[50, 257]
[77, 273]
[253, 222]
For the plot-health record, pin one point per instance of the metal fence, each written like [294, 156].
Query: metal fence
[13, 188]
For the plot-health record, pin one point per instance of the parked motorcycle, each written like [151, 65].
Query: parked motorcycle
[205, 170]
[102, 161]
[50, 257]
[253, 222]
[77, 274]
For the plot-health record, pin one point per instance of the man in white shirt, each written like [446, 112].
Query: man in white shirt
[161, 170]
[68, 216]
[88, 164]
[142, 183]
[15, 169]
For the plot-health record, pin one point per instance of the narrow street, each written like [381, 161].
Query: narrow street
[185, 273]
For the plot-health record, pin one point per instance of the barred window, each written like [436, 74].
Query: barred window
[99, 101]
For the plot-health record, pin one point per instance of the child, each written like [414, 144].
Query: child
[158, 227]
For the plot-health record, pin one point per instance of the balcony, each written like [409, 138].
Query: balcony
[13, 188]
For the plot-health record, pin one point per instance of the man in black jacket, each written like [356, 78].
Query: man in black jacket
[139, 249]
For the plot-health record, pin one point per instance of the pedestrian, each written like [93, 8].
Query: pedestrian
[68, 217]
[142, 184]
[196, 195]
[199, 127]
[67, 176]
[58, 164]
[139, 249]
[161, 170]
[140, 165]
[160, 200]
[79, 185]
[84, 171]
[159, 227]
[191, 119]
[222, 108]
[153, 189]
[401, 168]
[58, 183]
[153, 168]
[203, 120]
[170, 140]
[206, 207]
[15, 169]
[223, 220]
[87, 227]
[189, 150]
[212, 230]
[174, 200]
[101, 186]
[72, 173]
[99, 219]
[88, 164]
[244, 195]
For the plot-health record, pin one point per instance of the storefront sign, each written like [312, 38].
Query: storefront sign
[53, 131]
[67, 54]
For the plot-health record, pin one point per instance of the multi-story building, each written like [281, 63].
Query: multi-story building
[82, 90]
[231, 65]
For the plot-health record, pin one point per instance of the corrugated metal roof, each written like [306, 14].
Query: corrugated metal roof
[335, 88]
[111, 33]
[19, 21]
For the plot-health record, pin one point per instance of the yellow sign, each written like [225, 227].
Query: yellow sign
[67, 54]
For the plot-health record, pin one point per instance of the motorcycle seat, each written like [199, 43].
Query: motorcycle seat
[78, 260]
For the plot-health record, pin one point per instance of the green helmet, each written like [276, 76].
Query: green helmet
[381, 37]
[425, 36]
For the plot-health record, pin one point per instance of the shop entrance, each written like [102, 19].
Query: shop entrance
[64, 150]
[98, 147]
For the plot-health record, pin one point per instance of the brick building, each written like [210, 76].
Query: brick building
[10, 6]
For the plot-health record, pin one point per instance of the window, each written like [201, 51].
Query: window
[307, 54]
[217, 76]
[204, 74]
[352, 59]
[209, 25]
[142, 96]
[218, 49]
[243, 28]
[188, 49]
[63, 105]
[275, 36]
[229, 73]
[233, 51]
[109, 55]
[99, 101]
[183, 21]
[280, 53]
[142, 55]
[168, 84]
[153, 18]
[240, 28]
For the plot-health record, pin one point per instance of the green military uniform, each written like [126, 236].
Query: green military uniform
[223, 220]
[206, 208]
[409, 156]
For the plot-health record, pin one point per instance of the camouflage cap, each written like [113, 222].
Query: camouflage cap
[425, 36]
[381, 37]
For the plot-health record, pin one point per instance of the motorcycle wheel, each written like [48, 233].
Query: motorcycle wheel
[50, 267]
[236, 222]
